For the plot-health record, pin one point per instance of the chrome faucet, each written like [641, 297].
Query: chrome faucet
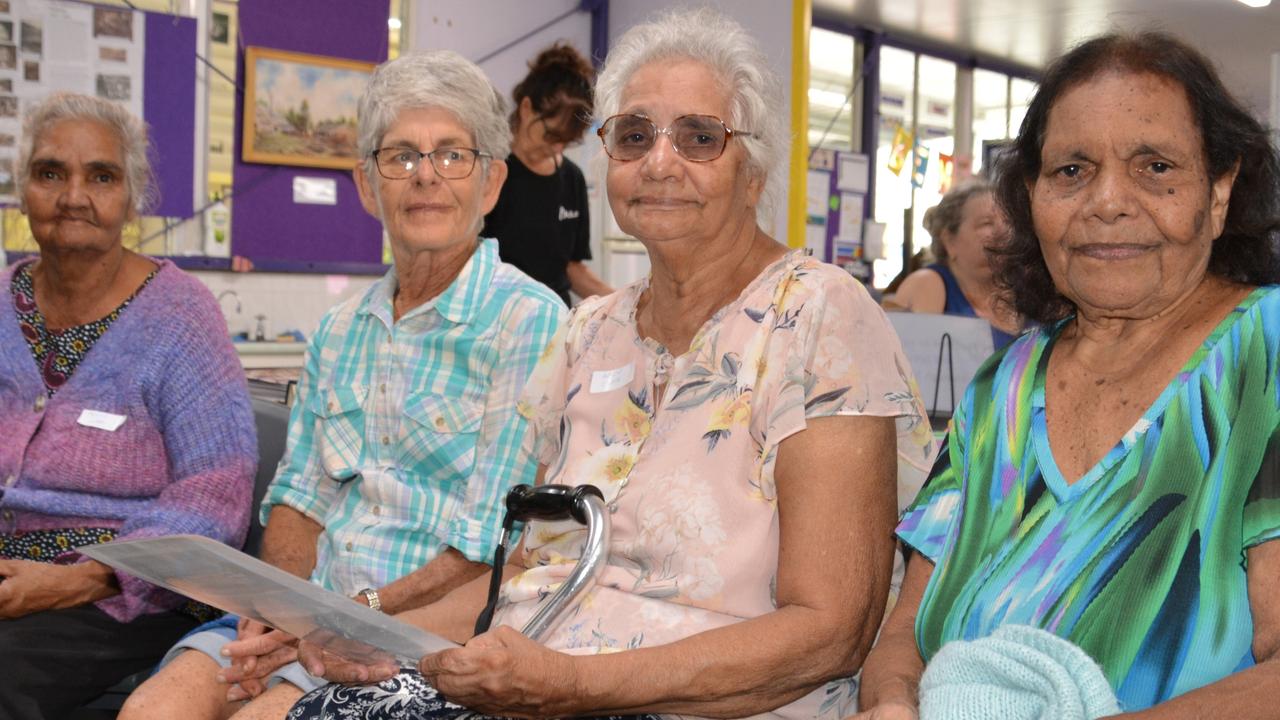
[233, 294]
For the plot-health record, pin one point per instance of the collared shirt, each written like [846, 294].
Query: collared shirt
[404, 438]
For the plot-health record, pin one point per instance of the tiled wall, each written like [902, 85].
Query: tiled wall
[289, 301]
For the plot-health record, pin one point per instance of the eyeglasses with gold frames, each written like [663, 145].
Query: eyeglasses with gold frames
[697, 138]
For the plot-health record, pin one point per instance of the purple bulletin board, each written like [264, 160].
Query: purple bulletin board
[266, 225]
[169, 82]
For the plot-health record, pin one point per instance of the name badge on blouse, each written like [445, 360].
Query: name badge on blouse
[603, 381]
[101, 420]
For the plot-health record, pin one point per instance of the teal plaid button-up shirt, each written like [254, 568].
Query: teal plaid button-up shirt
[405, 438]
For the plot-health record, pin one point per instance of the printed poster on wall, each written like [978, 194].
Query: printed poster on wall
[51, 45]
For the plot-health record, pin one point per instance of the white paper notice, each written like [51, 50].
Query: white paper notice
[873, 240]
[851, 208]
[853, 173]
[315, 191]
[101, 420]
[603, 381]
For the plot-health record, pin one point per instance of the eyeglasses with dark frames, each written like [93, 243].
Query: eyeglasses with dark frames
[697, 138]
[450, 163]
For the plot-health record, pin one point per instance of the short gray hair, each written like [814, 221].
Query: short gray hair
[130, 131]
[715, 40]
[947, 215]
[437, 78]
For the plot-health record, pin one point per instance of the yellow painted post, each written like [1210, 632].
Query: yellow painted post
[801, 19]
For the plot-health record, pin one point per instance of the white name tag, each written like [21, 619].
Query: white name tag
[101, 420]
[605, 380]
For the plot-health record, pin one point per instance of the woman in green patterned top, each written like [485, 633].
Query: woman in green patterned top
[1112, 476]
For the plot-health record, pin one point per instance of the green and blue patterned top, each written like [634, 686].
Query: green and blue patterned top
[1141, 562]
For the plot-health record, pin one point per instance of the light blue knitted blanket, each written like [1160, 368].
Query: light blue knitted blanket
[1016, 673]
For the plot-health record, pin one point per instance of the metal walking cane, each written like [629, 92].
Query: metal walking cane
[584, 503]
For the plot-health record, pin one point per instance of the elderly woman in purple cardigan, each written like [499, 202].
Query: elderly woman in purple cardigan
[123, 414]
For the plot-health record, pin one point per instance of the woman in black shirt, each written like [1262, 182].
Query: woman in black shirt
[541, 220]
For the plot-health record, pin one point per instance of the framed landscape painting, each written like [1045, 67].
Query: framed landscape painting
[301, 109]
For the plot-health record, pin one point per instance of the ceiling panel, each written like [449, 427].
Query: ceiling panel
[1239, 39]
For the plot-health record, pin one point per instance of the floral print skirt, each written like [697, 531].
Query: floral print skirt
[407, 696]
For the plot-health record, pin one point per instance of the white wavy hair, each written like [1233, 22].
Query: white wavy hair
[436, 78]
[130, 132]
[709, 37]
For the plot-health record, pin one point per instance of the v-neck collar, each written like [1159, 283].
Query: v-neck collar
[1053, 477]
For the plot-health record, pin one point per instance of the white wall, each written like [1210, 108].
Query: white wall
[290, 301]
[476, 28]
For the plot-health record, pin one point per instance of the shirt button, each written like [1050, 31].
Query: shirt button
[9, 481]
[377, 510]
[440, 423]
[8, 514]
[350, 547]
[40, 403]
[386, 440]
[382, 388]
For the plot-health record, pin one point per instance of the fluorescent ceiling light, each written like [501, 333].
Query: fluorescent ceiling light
[1256, 3]
[394, 23]
[826, 98]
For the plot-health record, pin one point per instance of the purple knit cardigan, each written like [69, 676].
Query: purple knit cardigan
[182, 462]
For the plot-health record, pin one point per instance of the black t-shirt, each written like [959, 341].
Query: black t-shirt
[541, 223]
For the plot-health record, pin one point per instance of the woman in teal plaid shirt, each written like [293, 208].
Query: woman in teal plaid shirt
[404, 439]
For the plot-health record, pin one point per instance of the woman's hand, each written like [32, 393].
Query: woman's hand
[889, 711]
[257, 652]
[505, 673]
[335, 668]
[27, 586]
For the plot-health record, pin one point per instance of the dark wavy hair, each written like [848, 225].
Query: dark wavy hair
[559, 82]
[1247, 250]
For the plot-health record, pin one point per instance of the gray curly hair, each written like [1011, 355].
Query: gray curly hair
[131, 132]
[436, 78]
[717, 41]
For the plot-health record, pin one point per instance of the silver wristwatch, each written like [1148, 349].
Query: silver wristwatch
[371, 596]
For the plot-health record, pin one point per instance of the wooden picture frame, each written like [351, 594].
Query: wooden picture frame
[300, 109]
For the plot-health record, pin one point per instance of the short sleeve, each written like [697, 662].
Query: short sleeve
[546, 394]
[927, 522]
[1262, 507]
[846, 360]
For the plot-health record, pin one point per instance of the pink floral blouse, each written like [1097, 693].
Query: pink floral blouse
[684, 449]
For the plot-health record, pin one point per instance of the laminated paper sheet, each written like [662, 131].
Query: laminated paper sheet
[208, 571]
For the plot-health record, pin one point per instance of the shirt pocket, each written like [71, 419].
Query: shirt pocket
[441, 435]
[340, 430]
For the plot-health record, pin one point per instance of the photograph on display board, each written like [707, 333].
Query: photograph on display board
[8, 57]
[32, 37]
[8, 139]
[115, 87]
[220, 28]
[6, 85]
[113, 54]
[4, 6]
[301, 109]
[6, 31]
[31, 71]
[8, 106]
[112, 22]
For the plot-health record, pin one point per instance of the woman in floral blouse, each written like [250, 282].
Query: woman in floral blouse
[747, 412]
